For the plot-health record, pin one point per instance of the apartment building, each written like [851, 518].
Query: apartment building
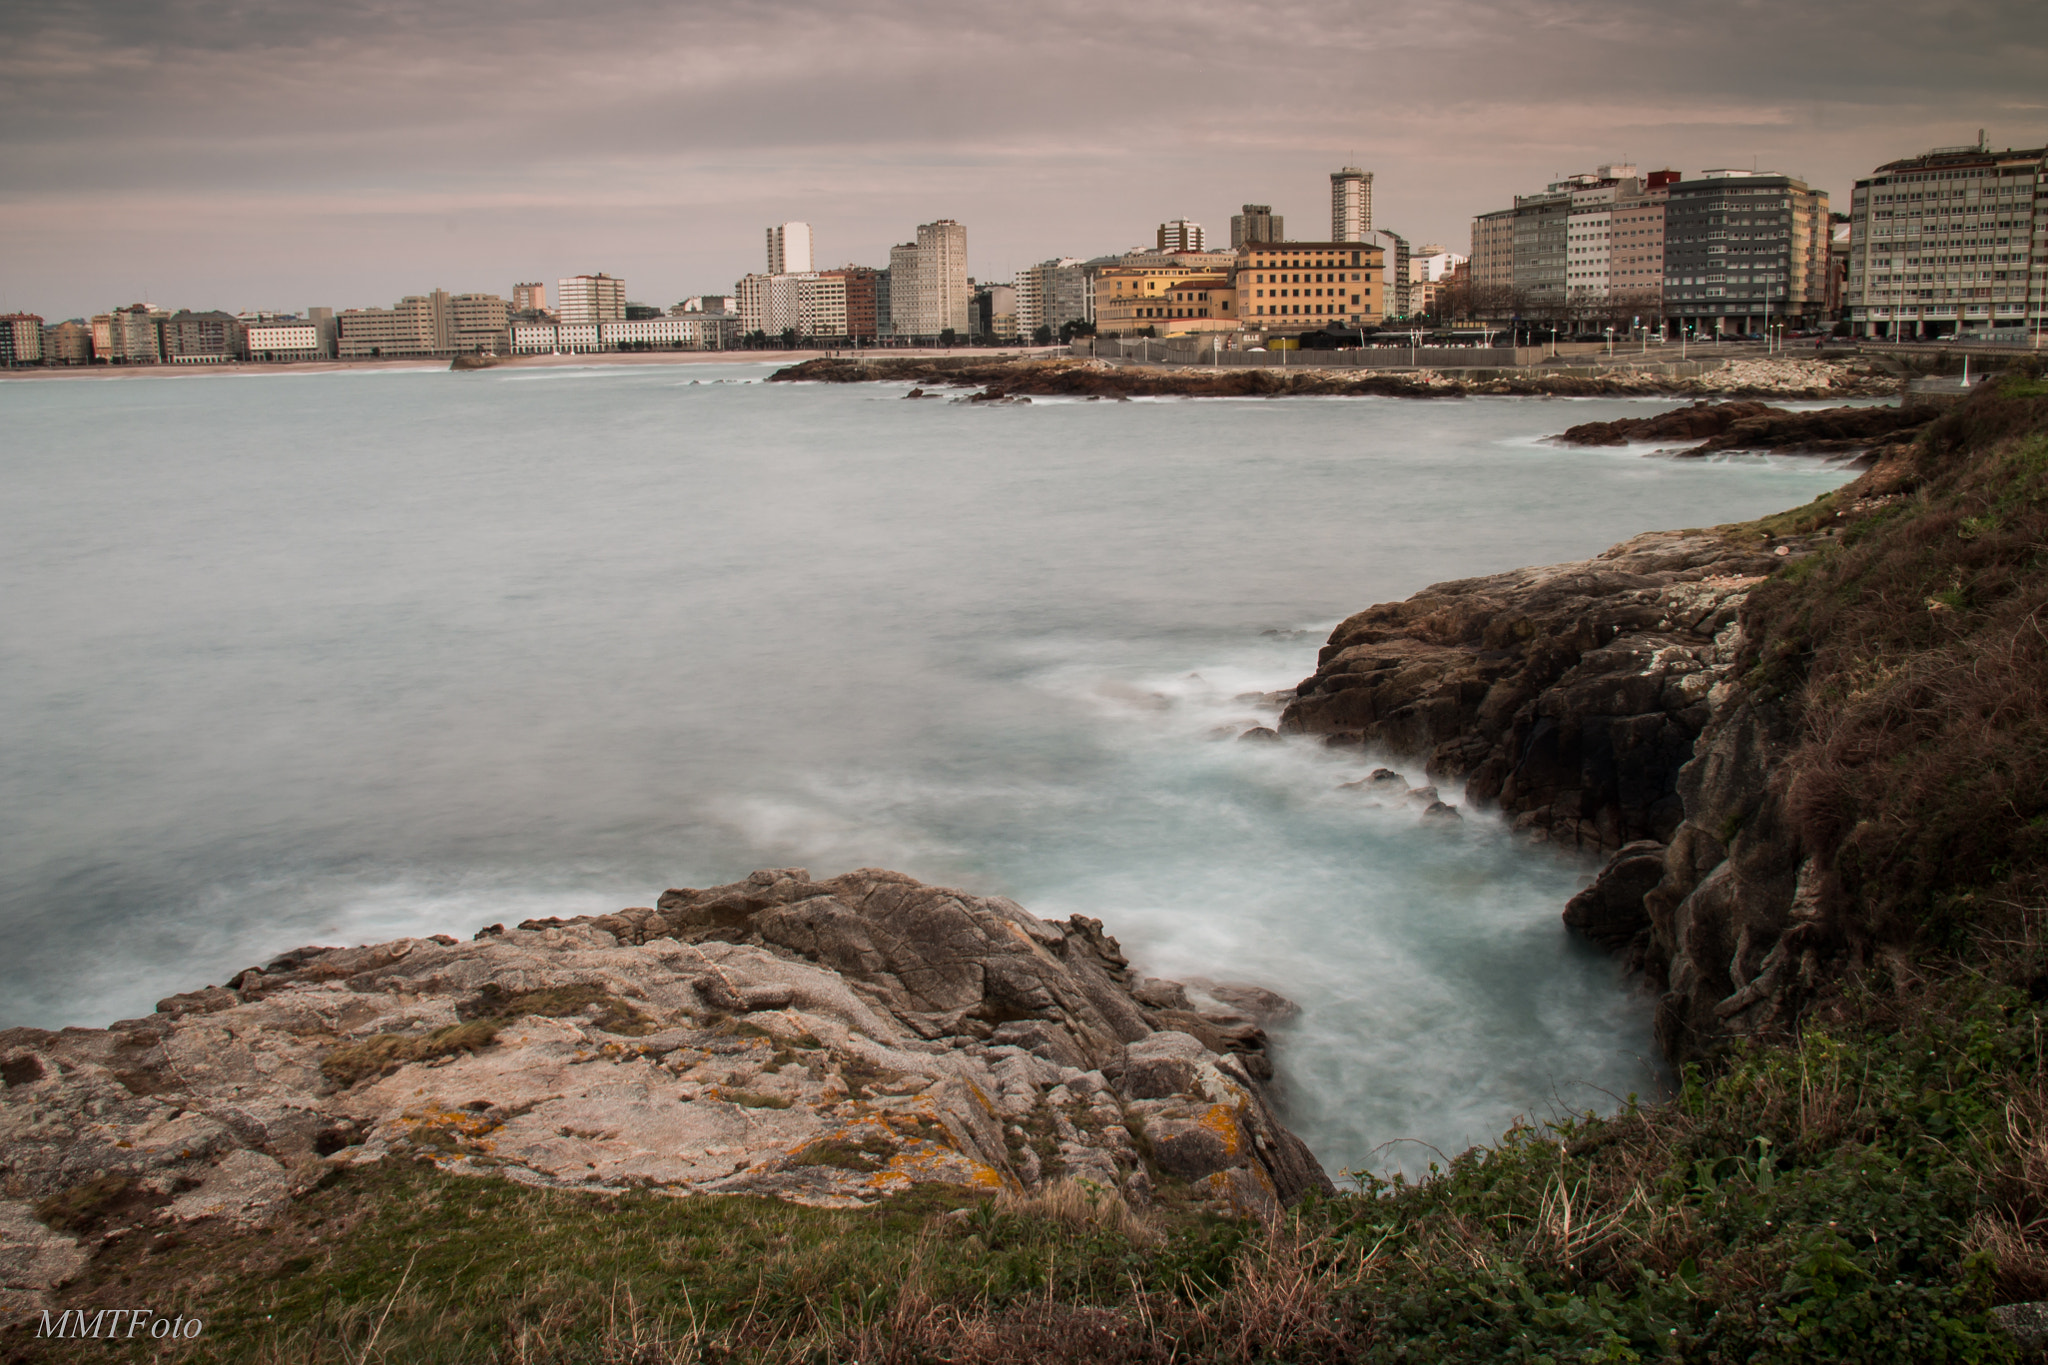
[1304, 286]
[21, 339]
[1128, 293]
[530, 298]
[281, 338]
[213, 338]
[1180, 235]
[789, 249]
[1952, 240]
[1396, 252]
[1615, 238]
[1636, 243]
[1051, 294]
[1744, 250]
[1350, 205]
[1542, 249]
[1258, 223]
[691, 333]
[767, 304]
[425, 324]
[1493, 250]
[861, 303]
[928, 281]
[992, 312]
[1429, 266]
[828, 304]
[590, 299]
[68, 343]
[1133, 300]
[128, 336]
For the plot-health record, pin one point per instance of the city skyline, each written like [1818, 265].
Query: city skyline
[470, 155]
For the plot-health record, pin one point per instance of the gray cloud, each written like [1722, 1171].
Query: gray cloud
[249, 154]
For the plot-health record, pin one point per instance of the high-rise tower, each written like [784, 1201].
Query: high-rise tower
[789, 249]
[1350, 204]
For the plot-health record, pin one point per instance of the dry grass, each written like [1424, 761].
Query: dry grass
[2012, 1222]
[1081, 1207]
[386, 1052]
[1295, 1296]
[1916, 659]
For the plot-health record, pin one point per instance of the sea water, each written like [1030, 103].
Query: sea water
[333, 658]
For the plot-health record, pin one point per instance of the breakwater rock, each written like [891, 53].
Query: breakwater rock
[830, 1042]
[1102, 379]
[1568, 695]
[1710, 428]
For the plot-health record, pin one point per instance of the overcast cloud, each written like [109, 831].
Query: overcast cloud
[214, 153]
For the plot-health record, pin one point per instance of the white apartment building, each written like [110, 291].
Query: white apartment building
[1350, 204]
[696, 333]
[1589, 230]
[1051, 294]
[810, 304]
[293, 340]
[590, 298]
[789, 249]
[769, 304]
[1180, 234]
[928, 281]
[1953, 240]
[552, 338]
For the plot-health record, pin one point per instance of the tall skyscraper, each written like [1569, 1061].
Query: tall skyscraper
[1258, 223]
[1350, 204]
[789, 249]
[1180, 235]
[590, 298]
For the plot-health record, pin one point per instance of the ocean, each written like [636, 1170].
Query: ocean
[332, 658]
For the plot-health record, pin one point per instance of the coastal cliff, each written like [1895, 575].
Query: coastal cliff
[1762, 726]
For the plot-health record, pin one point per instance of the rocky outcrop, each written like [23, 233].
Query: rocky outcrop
[1569, 696]
[1710, 428]
[828, 1042]
[1019, 378]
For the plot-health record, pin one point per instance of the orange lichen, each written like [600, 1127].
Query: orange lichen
[1222, 1120]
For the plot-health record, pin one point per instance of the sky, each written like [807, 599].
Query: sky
[276, 154]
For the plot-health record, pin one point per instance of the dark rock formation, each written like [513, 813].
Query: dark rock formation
[1016, 378]
[1716, 427]
[1568, 695]
[1610, 911]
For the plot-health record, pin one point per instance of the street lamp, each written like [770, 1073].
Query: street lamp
[1610, 342]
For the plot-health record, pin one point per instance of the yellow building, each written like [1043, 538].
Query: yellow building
[1306, 286]
[1166, 300]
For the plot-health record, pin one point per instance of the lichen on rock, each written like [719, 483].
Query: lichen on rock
[829, 1042]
